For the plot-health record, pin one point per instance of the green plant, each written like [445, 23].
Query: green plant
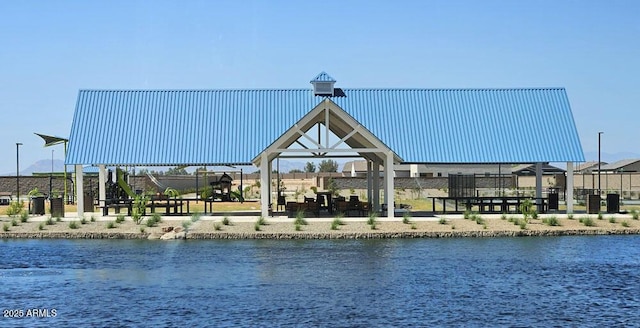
[49, 221]
[73, 225]
[139, 208]
[478, 219]
[600, 217]
[41, 226]
[503, 216]
[570, 217]
[587, 221]
[523, 224]
[111, 225]
[534, 215]
[406, 217]
[196, 216]
[612, 219]
[141, 229]
[526, 208]
[334, 224]
[300, 218]
[5, 227]
[217, 226]
[625, 224]
[15, 208]
[225, 220]
[156, 217]
[14, 222]
[453, 227]
[24, 216]
[442, 221]
[551, 221]
[58, 218]
[93, 218]
[120, 218]
[298, 226]
[83, 221]
[635, 214]
[467, 214]
[170, 192]
[414, 226]
[186, 225]
[256, 226]
[484, 226]
[261, 221]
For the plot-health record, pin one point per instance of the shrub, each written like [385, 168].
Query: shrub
[406, 218]
[93, 218]
[413, 226]
[186, 225]
[120, 218]
[217, 226]
[141, 229]
[83, 221]
[453, 227]
[14, 222]
[196, 216]
[41, 226]
[625, 224]
[523, 224]
[151, 222]
[587, 221]
[300, 218]
[442, 221]
[111, 225]
[261, 221]
[467, 214]
[612, 219]
[335, 223]
[373, 219]
[49, 221]
[478, 219]
[256, 226]
[73, 225]
[503, 216]
[534, 215]
[157, 218]
[58, 219]
[15, 208]
[225, 220]
[24, 216]
[139, 208]
[570, 216]
[600, 216]
[551, 221]
[298, 226]
[635, 215]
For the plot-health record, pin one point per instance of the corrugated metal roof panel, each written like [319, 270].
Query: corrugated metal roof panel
[169, 127]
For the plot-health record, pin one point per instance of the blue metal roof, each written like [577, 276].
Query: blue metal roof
[173, 127]
[323, 77]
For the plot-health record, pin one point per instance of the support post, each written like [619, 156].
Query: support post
[264, 185]
[389, 190]
[370, 183]
[375, 177]
[80, 190]
[102, 185]
[538, 184]
[569, 184]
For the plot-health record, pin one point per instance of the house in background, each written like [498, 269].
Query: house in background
[358, 168]
[625, 165]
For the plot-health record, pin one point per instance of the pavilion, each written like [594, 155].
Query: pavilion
[383, 126]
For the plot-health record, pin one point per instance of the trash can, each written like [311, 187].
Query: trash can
[37, 205]
[593, 204]
[613, 203]
[88, 202]
[57, 207]
[553, 201]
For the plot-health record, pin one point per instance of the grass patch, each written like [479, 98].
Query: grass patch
[414, 226]
[570, 217]
[111, 225]
[93, 218]
[14, 222]
[336, 223]
[195, 217]
[551, 221]
[300, 219]
[635, 214]
[503, 216]
[151, 222]
[467, 214]
[41, 226]
[600, 217]
[523, 224]
[120, 218]
[73, 225]
[83, 221]
[50, 221]
[442, 221]
[261, 221]
[186, 224]
[217, 226]
[141, 229]
[406, 218]
[612, 219]
[5, 227]
[298, 226]
[257, 226]
[156, 217]
[625, 224]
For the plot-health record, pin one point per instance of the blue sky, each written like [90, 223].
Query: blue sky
[51, 49]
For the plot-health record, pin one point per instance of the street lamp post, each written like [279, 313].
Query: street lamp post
[51, 176]
[599, 163]
[18, 144]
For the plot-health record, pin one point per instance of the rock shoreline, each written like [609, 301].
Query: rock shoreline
[324, 235]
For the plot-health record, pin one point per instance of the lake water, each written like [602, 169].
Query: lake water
[541, 281]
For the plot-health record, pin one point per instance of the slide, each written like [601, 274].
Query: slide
[123, 184]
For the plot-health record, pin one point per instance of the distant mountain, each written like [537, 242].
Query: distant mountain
[44, 166]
